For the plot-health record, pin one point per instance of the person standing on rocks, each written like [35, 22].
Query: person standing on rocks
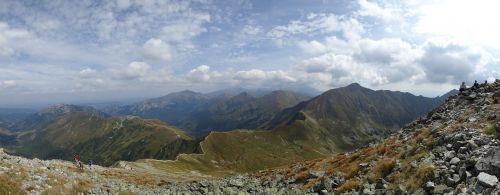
[462, 87]
[90, 164]
[475, 85]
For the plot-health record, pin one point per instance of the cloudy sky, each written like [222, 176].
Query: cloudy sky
[83, 50]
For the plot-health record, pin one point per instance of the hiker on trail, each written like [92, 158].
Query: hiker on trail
[475, 85]
[90, 164]
[75, 157]
[462, 87]
[485, 82]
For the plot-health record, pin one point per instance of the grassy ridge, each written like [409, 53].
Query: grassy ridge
[247, 151]
[105, 140]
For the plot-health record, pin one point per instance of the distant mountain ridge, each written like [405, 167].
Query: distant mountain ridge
[47, 115]
[10, 116]
[199, 113]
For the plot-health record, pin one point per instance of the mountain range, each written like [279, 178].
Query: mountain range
[199, 114]
[237, 131]
[338, 120]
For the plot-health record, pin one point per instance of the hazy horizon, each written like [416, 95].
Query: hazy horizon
[51, 100]
[124, 50]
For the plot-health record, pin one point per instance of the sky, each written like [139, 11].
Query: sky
[54, 51]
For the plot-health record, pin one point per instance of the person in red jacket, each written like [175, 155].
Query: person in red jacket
[75, 157]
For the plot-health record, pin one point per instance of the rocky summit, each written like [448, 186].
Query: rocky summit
[454, 149]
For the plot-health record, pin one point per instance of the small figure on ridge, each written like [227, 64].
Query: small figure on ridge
[462, 87]
[475, 85]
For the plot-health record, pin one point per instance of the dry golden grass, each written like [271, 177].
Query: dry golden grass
[126, 193]
[350, 170]
[384, 167]
[10, 184]
[311, 183]
[349, 185]
[302, 176]
[417, 179]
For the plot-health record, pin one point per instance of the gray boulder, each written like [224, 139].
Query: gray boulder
[487, 180]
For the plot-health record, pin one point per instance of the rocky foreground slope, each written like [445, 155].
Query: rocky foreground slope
[455, 149]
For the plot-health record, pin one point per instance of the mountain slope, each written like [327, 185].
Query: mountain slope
[243, 111]
[356, 114]
[455, 149]
[103, 139]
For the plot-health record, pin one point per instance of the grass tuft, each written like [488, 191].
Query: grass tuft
[489, 129]
[351, 184]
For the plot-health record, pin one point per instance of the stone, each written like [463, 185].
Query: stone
[236, 182]
[327, 183]
[462, 173]
[400, 190]
[454, 161]
[429, 186]
[453, 180]
[449, 154]
[367, 191]
[441, 189]
[472, 96]
[487, 180]
[316, 174]
[380, 184]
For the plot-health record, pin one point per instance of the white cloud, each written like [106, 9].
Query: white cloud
[367, 61]
[8, 83]
[385, 51]
[330, 44]
[280, 76]
[10, 38]
[183, 30]
[319, 24]
[259, 76]
[470, 21]
[157, 51]
[134, 70]
[254, 74]
[87, 73]
[200, 74]
[368, 8]
[453, 62]
[252, 29]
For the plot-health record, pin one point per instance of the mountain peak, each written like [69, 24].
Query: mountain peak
[354, 86]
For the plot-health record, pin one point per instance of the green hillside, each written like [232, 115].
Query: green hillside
[105, 140]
